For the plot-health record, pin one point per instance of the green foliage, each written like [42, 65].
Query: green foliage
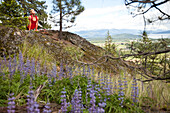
[11, 14]
[109, 46]
[68, 10]
[157, 64]
[52, 91]
[40, 7]
[14, 13]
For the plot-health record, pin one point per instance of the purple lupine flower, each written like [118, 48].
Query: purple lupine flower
[76, 102]
[115, 87]
[92, 73]
[101, 107]
[47, 108]
[92, 109]
[89, 86]
[38, 68]
[125, 81]
[88, 71]
[36, 109]
[49, 79]
[14, 64]
[61, 72]
[21, 66]
[10, 68]
[101, 104]
[32, 69]
[110, 84]
[30, 102]
[102, 81]
[107, 85]
[80, 98]
[26, 68]
[21, 62]
[97, 88]
[70, 72]
[11, 103]
[121, 93]
[135, 91]
[32, 106]
[64, 103]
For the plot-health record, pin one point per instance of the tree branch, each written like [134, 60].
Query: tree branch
[127, 55]
[154, 5]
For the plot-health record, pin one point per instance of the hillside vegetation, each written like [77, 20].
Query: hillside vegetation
[41, 73]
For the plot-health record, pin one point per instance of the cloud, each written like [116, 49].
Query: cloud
[116, 17]
[106, 18]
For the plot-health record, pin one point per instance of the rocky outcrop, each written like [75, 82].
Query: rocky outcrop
[12, 39]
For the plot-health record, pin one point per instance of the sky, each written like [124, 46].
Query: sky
[108, 14]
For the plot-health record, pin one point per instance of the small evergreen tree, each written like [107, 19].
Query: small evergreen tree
[11, 14]
[67, 10]
[109, 46]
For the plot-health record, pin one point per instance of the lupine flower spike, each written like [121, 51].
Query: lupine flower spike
[135, 90]
[64, 103]
[121, 93]
[76, 102]
[11, 103]
[92, 109]
[47, 108]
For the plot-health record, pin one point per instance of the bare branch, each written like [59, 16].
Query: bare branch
[141, 5]
[128, 2]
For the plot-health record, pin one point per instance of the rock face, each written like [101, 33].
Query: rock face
[80, 42]
[10, 39]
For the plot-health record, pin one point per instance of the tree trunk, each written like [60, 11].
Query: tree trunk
[60, 33]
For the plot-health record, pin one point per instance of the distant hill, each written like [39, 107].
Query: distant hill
[103, 32]
[163, 32]
[118, 34]
[126, 36]
[117, 38]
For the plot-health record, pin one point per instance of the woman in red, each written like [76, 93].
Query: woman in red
[33, 21]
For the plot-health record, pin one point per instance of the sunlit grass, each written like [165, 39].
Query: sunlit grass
[38, 52]
[156, 92]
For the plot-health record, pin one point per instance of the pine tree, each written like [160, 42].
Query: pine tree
[108, 43]
[11, 14]
[67, 10]
[109, 46]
